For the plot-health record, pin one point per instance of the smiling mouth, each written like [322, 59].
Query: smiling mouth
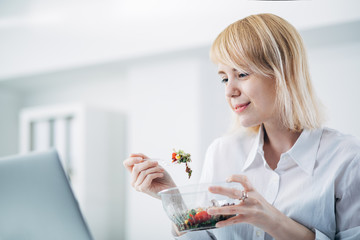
[241, 107]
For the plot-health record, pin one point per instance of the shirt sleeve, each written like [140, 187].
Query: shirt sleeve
[347, 202]
[207, 173]
[198, 235]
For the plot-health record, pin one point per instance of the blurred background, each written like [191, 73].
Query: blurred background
[101, 79]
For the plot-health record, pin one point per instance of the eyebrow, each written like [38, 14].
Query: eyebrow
[222, 72]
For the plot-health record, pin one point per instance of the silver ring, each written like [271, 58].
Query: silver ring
[244, 196]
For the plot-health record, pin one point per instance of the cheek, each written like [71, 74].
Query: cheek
[263, 99]
[268, 103]
[265, 103]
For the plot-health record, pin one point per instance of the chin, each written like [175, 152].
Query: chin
[254, 128]
[249, 124]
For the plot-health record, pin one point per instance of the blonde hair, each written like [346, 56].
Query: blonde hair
[268, 45]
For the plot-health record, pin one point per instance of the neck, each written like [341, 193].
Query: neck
[277, 140]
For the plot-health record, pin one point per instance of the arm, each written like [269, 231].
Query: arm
[257, 211]
[198, 235]
[286, 228]
[347, 201]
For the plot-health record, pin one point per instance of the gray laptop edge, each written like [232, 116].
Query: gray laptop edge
[36, 200]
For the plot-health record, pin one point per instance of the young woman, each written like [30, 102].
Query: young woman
[301, 180]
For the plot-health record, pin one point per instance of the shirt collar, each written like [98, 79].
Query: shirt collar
[303, 153]
[256, 148]
[305, 149]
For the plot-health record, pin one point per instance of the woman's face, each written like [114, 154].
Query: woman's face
[251, 96]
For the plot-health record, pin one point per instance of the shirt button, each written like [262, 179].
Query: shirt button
[258, 233]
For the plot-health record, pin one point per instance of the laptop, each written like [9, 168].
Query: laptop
[36, 200]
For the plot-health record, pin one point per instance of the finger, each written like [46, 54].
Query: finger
[148, 180]
[240, 208]
[130, 162]
[230, 221]
[230, 192]
[229, 210]
[139, 155]
[134, 158]
[243, 180]
[138, 168]
[146, 172]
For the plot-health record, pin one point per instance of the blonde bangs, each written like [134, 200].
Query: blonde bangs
[231, 48]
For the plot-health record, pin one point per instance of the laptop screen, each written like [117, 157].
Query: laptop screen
[36, 200]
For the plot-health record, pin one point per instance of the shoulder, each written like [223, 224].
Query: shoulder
[240, 140]
[341, 152]
[345, 143]
[226, 154]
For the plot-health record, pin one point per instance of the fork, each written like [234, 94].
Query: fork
[162, 162]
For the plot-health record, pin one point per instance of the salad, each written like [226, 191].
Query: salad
[182, 157]
[199, 219]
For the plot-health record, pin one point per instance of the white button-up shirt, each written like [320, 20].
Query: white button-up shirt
[316, 182]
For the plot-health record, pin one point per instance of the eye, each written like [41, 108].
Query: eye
[224, 80]
[242, 75]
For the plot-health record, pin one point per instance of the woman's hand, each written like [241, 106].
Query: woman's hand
[147, 176]
[256, 211]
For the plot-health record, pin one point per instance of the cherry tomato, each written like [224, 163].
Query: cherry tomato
[202, 216]
[174, 157]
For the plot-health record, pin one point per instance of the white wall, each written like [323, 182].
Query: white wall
[175, 103]
[165, 114]
[215, 114]
[103, 87]
[334, 60]
[9, 122]
[42, 35]
[337, 81]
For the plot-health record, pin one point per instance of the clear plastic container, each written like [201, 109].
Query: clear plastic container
[186, 206]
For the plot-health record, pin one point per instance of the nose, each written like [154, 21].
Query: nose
[232, 89]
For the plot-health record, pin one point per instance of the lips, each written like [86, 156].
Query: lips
[241, 107]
